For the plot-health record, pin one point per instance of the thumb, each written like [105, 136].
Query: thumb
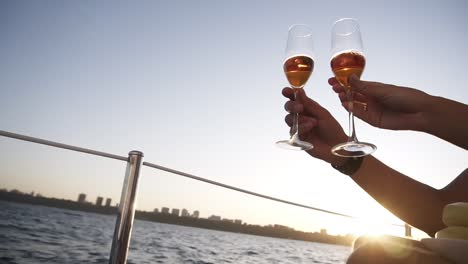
[363, 87]
[310, 106]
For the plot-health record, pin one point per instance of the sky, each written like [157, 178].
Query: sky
[196, 86]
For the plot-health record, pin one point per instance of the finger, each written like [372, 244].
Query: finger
[344, 101]
[374, 89]
[343, 97]
[360, 109]
[359, 97]
[301, 93]
[310, 107]
[338, 88]
[332, 81]
[359, 103]
[293, 107]
[307, 127]
[288, 93]
[306, 121]
[309, 104]
[302, 119]
[356, 97]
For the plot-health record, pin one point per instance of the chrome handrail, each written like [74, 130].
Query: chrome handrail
[126, 214]
[61, 145]
[124, 224]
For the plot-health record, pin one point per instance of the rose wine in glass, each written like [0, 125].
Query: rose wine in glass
[347, 63]
[298, 70]
[348, 59]
[298, 67]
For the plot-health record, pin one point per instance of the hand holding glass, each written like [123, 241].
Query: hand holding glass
[348, 59]
[298, 66]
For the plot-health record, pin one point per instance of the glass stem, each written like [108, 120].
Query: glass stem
[295, 126]
[352, 130]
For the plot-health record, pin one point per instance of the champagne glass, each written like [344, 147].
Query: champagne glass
[347, 59]
[298, 66]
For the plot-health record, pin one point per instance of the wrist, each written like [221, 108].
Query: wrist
[348, 166]
[434, 110]
[426, 107]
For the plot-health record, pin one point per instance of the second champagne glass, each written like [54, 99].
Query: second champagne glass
[347, 59]
[298, 66]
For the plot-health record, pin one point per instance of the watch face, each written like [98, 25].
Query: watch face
[350, 167]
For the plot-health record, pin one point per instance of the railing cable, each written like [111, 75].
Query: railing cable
[61, 145]
[155, 166]
[239, 189]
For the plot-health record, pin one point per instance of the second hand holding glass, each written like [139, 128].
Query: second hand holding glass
[298, 66]
[348, 59]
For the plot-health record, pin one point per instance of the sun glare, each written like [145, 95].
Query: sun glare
[378, 222]
[373, 228]
[371, 225]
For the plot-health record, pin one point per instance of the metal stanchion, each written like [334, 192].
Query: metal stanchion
[407, 230]
[123, 226]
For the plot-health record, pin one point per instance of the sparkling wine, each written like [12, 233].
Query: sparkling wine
[298, 70]
[347, 63]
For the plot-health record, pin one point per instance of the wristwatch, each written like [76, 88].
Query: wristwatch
[350, 167]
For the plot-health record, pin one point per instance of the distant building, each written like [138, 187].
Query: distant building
[99, 201]
[282, 227]
[82, 198]
[108, 202]
[238, 222]
[185, 213]
[165, 210]
[196, 214]
[323, 231]
[156, 211]
[226, 220]
[214, 218]
[175, 211]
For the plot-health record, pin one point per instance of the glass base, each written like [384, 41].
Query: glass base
[353, 149]
[294, 144]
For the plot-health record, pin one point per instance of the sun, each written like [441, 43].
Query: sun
[372, 224]
[379, 222]
[375, 227]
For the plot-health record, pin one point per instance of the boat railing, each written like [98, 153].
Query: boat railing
[126, 210]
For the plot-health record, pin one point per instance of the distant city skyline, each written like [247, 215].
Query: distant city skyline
[10, 198]
[164, 209]
[172, 211]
